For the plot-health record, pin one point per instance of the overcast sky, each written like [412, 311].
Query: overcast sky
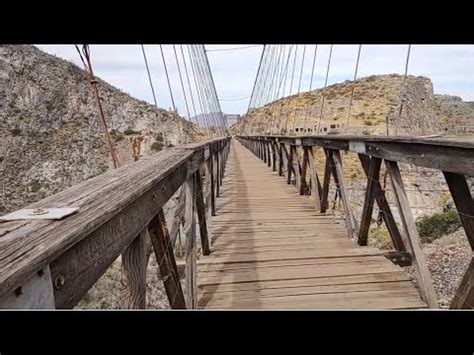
[450, 67]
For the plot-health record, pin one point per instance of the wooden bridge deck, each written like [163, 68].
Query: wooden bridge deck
[272, 249]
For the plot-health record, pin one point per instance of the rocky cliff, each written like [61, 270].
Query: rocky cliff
[379, 103]
[50, 136]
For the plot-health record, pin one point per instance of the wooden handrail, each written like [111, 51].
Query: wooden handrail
[114, 209]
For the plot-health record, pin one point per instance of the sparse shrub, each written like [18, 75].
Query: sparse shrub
[2, 159]
[433, 227]
[353, 175]
[35, 186]
[158, 137]
[366, 132]
[368, 123]
[157, 146]
[130, 131]
[15, 131]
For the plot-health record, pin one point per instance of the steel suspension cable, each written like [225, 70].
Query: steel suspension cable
[293, 71]
[214, 90]
[181, 81]
[207, 92]
[193, 105]
[167, 77]
[312, 69]
[93, 81]
[199, 94]
[353, 85]
[163, 129]
[404, 91]
[301, 71]
[325, 84]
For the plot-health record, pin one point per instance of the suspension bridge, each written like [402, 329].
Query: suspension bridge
[253, 209]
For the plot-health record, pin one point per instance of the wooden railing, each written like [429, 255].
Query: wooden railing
[454, 158]
[53, 263]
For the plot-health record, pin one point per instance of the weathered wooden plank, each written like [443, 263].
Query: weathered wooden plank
[464, 202]
[350, 220]
[34, 293]
[303, 190]
[382, 202]
[421, 267]
[190, 232]
[166, 261]
[201, 212]
[367, 209]
[464, 296]
[316, 189]
[280, 159]
[134, 271]
[296, 166]
[326, 181]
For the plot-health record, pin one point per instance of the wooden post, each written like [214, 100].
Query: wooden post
[421, 268]
[315, 184]
[339, 178]
[269, 159]
[280, 160]
[464, 203]
[211, 178]
[289, 165]
[201, 211]
[326, 181]
[464, 296]
[303, 184]
[296, 166]
[190, 233]
[367, 210]
[387, 215]
[134, 270]
[163, 249]
[274, 156]
[217, 180]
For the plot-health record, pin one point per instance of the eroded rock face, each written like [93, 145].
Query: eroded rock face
[379, 103]
[50, 136]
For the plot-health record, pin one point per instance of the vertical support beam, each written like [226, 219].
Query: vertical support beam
[304, 165]
[163, 249]
[201, 212]
[464, 203]
[269, 155]
[326, 181]
[134, 270]
[289, 165]
[370, 191]
[217, 174]
[421, 267]
[464, 296]
[190, 233]
[296, 166]
[264, 151]
[210, 163]
[315, 184]
[382, 202]
[280, 160]
[339, 178]
[274, 156]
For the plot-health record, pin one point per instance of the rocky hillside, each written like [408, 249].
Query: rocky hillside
[50, 137]
[375, 107]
